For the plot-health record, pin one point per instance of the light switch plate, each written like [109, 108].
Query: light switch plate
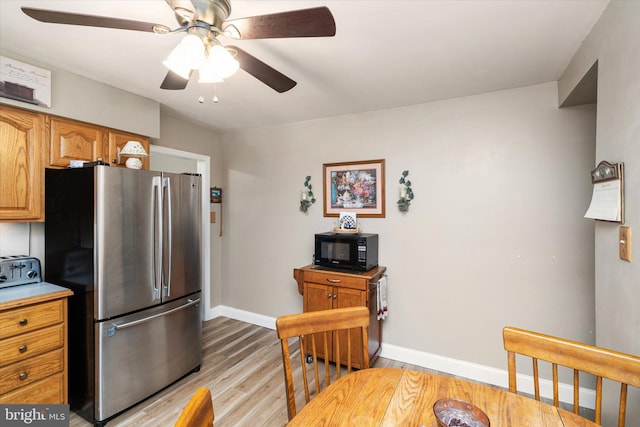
[625, 243]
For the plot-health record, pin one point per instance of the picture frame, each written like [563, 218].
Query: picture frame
[354, 186]
[24, 82]
[216, 195]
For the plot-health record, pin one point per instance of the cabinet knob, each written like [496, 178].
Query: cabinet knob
[328, 295]
[23, 322]
[22, 348]
[335, 296]
[23, 376]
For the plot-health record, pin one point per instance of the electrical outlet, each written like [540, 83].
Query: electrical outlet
[625, 243]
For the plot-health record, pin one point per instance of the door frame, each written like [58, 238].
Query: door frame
[203, 168]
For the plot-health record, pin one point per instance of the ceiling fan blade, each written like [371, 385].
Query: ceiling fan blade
[261, 71]
[173, 81]
[56, 17]
[315, 22]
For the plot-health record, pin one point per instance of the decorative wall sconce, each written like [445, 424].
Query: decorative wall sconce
[406, 193]
[307, 198]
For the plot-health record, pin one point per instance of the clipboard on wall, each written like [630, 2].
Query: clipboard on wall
[607, 200]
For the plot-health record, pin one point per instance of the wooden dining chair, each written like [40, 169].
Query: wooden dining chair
[339, 333]
[198, 412]
[597, 361]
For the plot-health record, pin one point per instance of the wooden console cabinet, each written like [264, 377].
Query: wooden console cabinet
[33, 349]
[324, 289]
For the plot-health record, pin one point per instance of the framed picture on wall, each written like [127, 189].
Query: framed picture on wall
[354, 186]
[25, 82]
[216, 195]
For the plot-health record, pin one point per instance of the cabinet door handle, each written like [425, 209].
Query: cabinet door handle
[23, 322]
[334, 280]
[328, 295]
[23, 376]
[335, 296]
[22, 348]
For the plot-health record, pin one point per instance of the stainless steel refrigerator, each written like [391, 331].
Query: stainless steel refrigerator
[127, 242]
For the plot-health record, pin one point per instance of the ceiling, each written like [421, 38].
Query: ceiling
[385, 54]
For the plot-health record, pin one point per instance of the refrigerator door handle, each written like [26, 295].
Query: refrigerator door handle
[116, 327]
[157, 235]
[166, 184]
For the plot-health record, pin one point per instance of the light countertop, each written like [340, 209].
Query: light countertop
[15, 296]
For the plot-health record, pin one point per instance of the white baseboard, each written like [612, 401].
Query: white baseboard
[244, 316]
[485, 374]
[460, 368]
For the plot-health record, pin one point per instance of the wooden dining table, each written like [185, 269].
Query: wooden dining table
[400, 397]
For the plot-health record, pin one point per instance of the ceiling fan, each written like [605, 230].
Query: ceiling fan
[204, 21]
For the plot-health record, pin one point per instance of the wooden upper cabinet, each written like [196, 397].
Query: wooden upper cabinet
[117, 141]
[22, 152]
[73, 140]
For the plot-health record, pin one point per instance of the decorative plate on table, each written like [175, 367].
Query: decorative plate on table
[458, 413]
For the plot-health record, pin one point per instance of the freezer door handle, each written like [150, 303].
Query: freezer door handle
[166, 185]
[115, 327]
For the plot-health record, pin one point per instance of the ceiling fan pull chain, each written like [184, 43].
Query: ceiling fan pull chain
[215, 93]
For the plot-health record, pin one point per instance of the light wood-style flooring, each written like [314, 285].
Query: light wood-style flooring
[242, 366]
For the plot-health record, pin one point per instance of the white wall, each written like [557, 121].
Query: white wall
[494, 236]
[615, 43]
[80, 98]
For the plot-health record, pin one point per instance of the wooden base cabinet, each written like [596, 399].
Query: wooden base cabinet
[33, 350]
[324, 289]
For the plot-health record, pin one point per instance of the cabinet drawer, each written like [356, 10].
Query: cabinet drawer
[21, 347]
[337, 279]
[31, 370]
[30, 318]
[49, 390]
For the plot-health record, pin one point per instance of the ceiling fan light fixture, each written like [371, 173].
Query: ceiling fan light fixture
[223, 59]
[191, 49]
[178, 66]
[187, 56]
[218, 66]
[209, 74]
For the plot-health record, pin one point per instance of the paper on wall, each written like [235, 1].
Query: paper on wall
[606, 201]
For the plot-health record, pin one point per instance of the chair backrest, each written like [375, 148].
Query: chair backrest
[597, 361]
[339, 333]
[198, 412]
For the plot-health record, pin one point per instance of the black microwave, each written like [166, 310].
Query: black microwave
[349, 251]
